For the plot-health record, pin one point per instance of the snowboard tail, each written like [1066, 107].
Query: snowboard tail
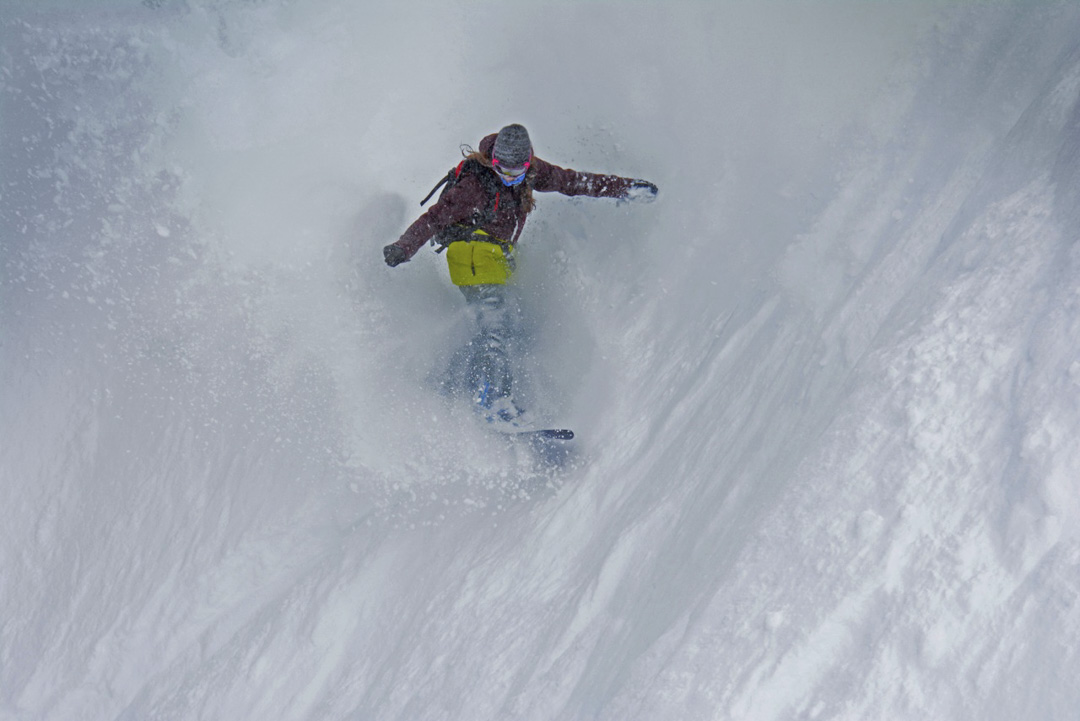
[554, 434]
[504, 415]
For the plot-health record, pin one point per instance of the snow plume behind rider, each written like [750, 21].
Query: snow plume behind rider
[496, 206]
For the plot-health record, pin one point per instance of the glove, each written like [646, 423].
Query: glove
[394, 255]
[641, 191]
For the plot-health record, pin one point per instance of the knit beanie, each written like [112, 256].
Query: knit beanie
[512, 146]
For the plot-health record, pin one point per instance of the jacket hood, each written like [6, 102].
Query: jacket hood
[487, 145]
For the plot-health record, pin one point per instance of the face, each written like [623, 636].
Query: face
[510, 175]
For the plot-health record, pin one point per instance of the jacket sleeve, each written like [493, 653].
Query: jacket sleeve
[455, 206]
[551, 178]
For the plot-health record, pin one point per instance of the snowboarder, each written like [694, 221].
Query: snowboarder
[478, 219]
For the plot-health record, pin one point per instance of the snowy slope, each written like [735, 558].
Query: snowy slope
[826, 388]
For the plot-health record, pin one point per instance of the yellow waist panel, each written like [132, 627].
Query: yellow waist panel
[478, 263]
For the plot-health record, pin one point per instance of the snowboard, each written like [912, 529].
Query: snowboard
[520, 425]
[553, 434]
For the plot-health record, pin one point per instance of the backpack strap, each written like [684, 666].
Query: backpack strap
[451, 177]
[465, 230]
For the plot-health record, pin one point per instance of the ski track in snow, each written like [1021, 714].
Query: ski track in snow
[826, 389]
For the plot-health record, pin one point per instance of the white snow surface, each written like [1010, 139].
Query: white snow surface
[826, 388]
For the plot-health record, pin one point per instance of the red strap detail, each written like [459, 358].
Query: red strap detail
[496, 208]
[457, 171]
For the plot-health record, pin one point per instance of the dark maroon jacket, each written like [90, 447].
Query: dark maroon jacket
[469, 195]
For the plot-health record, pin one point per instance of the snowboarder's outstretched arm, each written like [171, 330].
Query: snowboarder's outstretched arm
[454, 206]
[550, 178]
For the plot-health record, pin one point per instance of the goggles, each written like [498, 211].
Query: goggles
[510, 176]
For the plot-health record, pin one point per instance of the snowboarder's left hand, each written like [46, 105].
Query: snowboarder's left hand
[641, 191]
